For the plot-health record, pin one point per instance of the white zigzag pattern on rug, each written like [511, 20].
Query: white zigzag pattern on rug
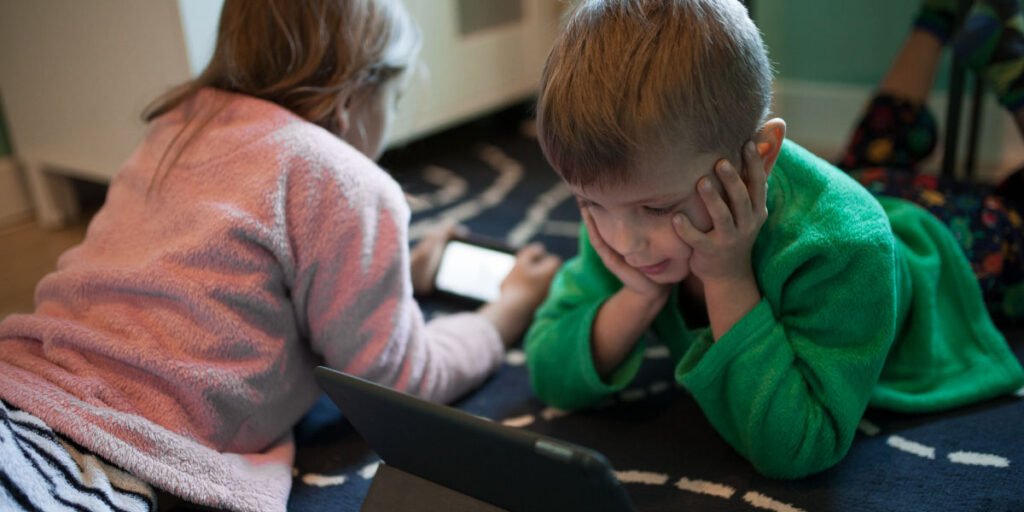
[510, 173]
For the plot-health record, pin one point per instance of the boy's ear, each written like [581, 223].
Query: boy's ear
[769, 141]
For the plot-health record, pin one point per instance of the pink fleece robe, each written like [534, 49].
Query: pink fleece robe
[178, 340]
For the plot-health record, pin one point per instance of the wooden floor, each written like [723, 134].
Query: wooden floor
[27, 253]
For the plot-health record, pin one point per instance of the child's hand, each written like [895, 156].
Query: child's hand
[631, 278]
[530, 278]
[723, 253]
[425, 257]
[522, 291]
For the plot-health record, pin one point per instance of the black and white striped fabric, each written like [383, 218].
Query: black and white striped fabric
[41, 471]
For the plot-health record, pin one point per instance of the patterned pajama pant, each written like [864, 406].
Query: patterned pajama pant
[884, 154]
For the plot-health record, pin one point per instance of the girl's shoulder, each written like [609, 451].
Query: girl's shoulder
[298, 148]
[315, 161]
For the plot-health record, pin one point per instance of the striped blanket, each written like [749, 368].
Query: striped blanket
[57, 475]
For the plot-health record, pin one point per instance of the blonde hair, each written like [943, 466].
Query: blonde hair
[307, 56]
[628, 77]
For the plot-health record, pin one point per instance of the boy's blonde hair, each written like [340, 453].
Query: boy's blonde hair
[307, 56]
[630, 77]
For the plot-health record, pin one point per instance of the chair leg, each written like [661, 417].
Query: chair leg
[974, 129]
[953, 110]
[53, 197]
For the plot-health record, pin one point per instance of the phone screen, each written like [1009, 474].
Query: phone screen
[473, 271]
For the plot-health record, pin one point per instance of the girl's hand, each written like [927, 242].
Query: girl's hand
[528, 281]
[631, 278]
[425, 257]
[522, 291]
[723, 253]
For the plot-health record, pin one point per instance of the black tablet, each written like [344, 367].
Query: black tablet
[509, 468]
[472, 268]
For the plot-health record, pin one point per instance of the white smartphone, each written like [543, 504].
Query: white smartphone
[473, 269]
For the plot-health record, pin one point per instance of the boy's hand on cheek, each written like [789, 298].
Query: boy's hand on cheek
[631, 278]
[723, 253]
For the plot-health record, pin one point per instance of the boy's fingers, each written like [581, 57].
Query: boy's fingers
[739, 196]
[687, 232]
[719, 211]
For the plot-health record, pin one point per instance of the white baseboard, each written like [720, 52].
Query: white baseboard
[14, 204]
[820, 116]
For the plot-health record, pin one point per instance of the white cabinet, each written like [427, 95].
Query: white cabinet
[467, 74]
[75, 76]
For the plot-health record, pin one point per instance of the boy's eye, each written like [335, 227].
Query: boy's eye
[653, 210]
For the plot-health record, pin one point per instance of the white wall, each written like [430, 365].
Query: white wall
[821, 117]
[199, 19]
[76, 76]
[467, 75]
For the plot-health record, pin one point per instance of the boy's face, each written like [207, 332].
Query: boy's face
[635, 219]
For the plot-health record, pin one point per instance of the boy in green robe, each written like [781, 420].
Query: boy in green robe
[790, 298]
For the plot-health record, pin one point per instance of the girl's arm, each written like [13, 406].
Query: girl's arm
[346, 223]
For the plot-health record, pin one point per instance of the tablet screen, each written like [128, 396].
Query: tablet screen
[473, 271]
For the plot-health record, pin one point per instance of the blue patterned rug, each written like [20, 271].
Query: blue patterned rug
[492, 177]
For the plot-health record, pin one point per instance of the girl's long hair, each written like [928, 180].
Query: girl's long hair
[307, 56]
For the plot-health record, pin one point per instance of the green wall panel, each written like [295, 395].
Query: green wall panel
[843, 42]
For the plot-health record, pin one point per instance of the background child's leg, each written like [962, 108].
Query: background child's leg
[912, 72]
[894, 133]
[937, 17]
[897, 130]
[992, 43]
[991, 233]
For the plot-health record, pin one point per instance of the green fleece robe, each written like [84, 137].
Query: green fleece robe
[865, 301]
